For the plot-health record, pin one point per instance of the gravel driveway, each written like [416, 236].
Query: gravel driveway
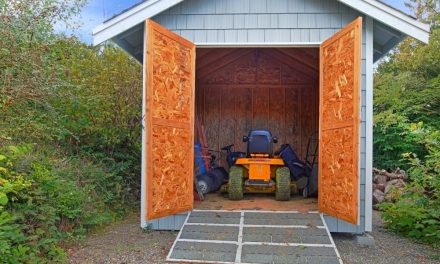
[125, 242]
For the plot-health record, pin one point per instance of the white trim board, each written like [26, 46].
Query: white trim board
[391, 17]
[369, 127]
[258, 44]
[143, 217]
[150, 8]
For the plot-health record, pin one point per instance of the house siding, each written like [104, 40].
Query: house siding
[270, 21]
[233, 21]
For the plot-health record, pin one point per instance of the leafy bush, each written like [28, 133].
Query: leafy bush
[407, 95]
[407, 129]
[417, 213]
[394, 135]
[414, 216]
[45, 200]
[69, 132]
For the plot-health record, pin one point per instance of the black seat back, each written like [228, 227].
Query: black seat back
[259, 142]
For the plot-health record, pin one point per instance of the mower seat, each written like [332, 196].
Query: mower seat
[259, 142]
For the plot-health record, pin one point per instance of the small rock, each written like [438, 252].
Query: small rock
[380, 179]
[378, 196]
[398, 183]
[379, 187]
[394, 194]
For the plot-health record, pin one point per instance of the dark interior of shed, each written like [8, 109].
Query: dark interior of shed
[240, 89]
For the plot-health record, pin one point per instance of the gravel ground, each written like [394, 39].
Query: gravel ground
[389, 248]
[125, 242]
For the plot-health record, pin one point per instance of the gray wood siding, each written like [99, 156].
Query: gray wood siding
[251, 21]
[269, 21]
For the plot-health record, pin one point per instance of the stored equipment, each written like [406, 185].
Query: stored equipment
[260, 171]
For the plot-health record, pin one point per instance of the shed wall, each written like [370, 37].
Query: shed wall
[266, 22]
[240, 89]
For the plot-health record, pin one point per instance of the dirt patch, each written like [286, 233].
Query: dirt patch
[214, 201]
[125, 242]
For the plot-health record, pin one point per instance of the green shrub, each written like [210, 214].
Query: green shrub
[416, 214]
[69, 132]
[394, 135]
[47, 201]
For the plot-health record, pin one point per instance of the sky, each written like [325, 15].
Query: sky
[97, 11]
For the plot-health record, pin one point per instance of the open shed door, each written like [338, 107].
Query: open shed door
[340, 59]
[170, 80]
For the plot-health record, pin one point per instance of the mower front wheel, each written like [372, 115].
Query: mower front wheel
[235, 183]
[282, 192]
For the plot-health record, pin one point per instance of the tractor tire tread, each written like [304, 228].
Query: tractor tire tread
[235, 186]
[282, 178]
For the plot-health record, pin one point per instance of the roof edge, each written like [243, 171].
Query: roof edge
[132, 17]
[373, 8]
[391, 17]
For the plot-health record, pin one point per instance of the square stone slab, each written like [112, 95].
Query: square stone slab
[214, 217]
[285, 254]
[204, 251]
[286, 235]
[254, 218]
[223, 233]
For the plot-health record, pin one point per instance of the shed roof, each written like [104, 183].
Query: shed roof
[391, 25]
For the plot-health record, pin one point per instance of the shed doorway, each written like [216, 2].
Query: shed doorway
[170, 112]
[242, 89]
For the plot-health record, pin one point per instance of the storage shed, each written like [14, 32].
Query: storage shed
[294, 67]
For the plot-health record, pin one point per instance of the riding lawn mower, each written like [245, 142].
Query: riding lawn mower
[260, 171]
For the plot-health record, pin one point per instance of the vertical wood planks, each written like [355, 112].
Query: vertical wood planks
[293, 118]
[243, 115]
[211, 113]
[246, 89]
[277, 112]
[260, 110]
[227, 119]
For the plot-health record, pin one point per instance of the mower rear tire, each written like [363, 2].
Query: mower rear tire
[235, 183]
[282, 178]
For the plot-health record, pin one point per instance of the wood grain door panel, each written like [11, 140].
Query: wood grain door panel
[340, 64]
[170, 87]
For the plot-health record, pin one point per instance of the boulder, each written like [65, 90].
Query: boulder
[380, 187]
[378, 196]
[398, 183]
[380, 179]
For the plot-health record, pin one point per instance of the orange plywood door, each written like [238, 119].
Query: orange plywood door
[339, 121]
[170, 82]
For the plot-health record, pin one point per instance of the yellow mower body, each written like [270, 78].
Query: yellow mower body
[260, 167]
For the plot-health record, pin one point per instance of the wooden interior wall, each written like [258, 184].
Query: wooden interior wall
[242, 89]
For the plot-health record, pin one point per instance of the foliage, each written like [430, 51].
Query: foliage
[417, 212]
[407, 128]
[69, 132]
[406, 100]
[394, 135]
